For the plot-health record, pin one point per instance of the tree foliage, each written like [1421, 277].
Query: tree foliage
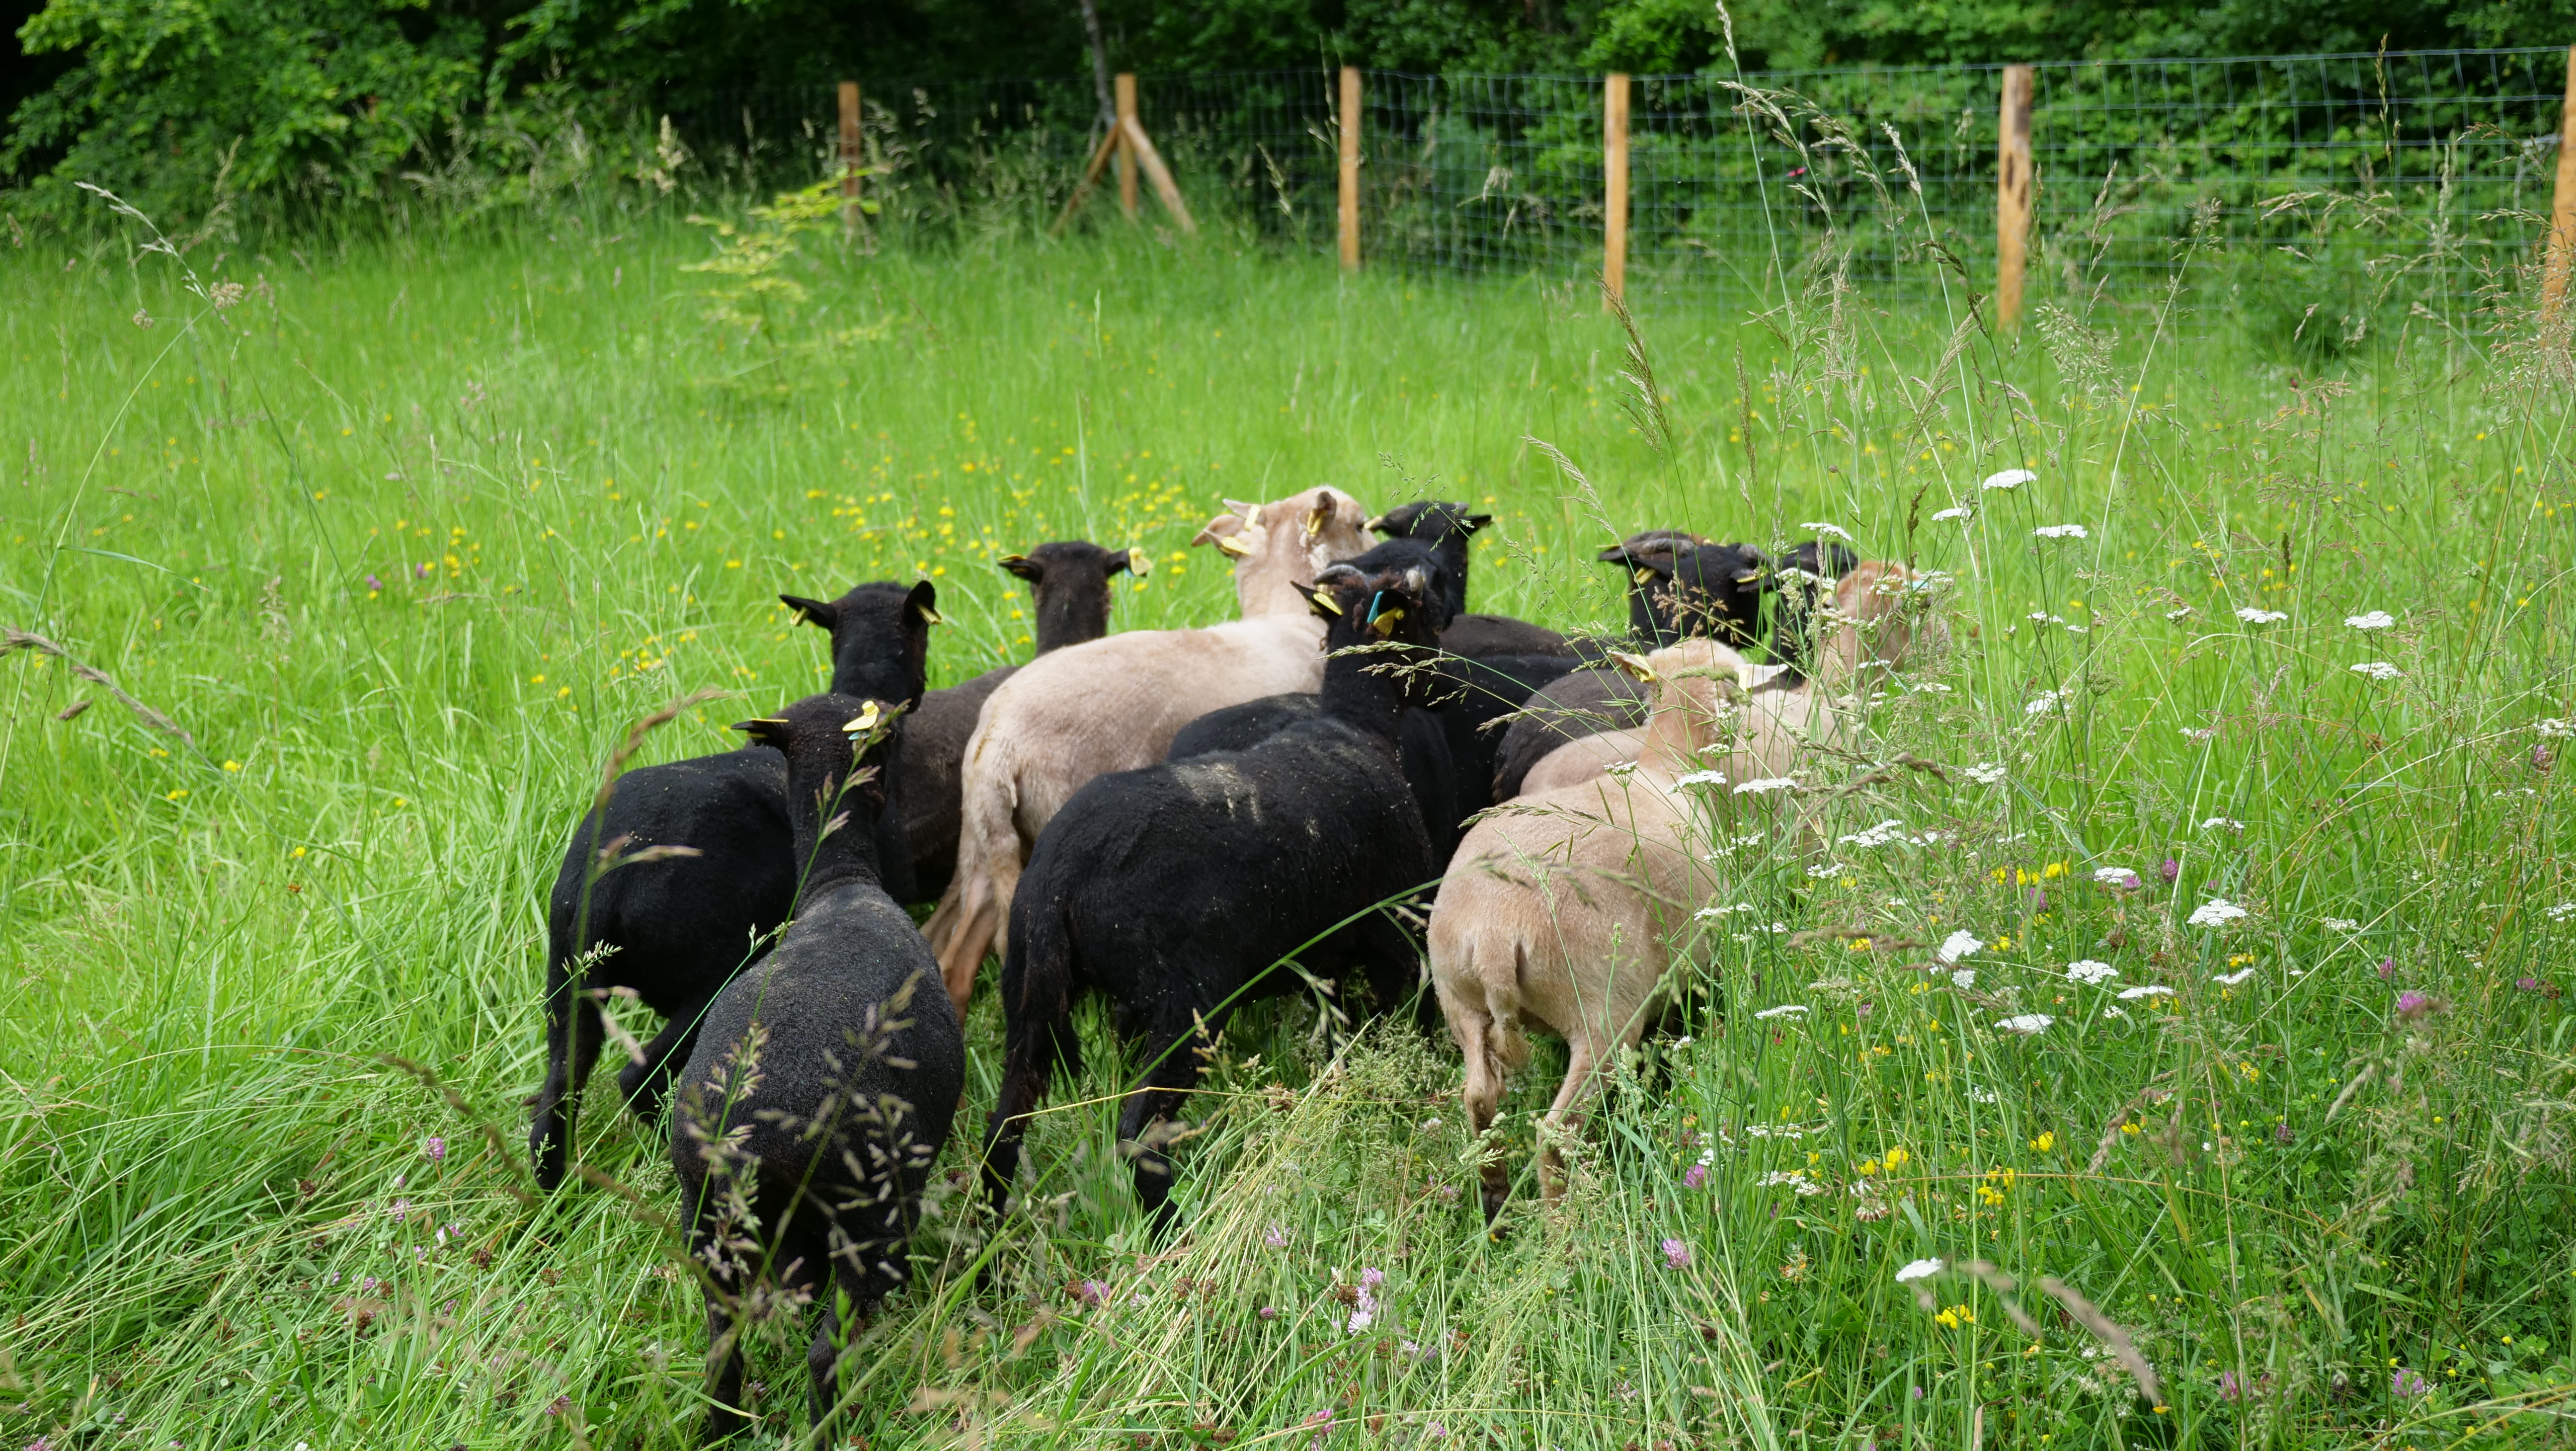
[178, 100]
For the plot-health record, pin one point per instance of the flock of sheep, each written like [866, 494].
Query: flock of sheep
[1165, 818]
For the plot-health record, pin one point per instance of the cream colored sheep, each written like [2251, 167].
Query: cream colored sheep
[1561, 909]
[1114, 704]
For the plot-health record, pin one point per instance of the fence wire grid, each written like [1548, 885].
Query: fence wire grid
[2416, 179]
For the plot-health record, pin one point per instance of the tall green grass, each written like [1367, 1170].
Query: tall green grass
[400, 539]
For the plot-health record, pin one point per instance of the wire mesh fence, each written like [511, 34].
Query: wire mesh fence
[2410, 179]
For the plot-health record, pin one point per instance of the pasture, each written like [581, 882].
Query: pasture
[401, 539]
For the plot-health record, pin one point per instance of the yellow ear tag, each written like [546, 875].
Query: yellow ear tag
[1327, 602]
[869, 715]
[1634, 664]
[1139, 563]
[1641, 576]
[930, 616]
[1315, 521]
[1233, 544]
[1384, 624]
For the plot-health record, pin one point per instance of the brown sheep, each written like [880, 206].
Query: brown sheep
[1562, 910]
[1115, 704]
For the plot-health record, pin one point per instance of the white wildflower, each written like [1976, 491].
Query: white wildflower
[1785, 1010]
[2216, 912]
[1790, 1179]
[1622, 768]
[2045, 702]
[2562, 911]
[2556, 728]
[1965, 977]
[2115, 1012]
[2341, 924]
[2115, 876]
[2378, 670]
[1982, 1095]
[2185, 612]
[1985, 773]
[1876, 836]
[1767, 784]
[2145, 990]
[1961, 511]
[2091, 973]
[1701, 778]
[2231, 979]
[2253, 616]
[2043, 618]
[1711, 914]
[1836, 530]
[2229, 822]
[2009, 479]
[2375, 620]
[1918, 1270]
[2027, 1024]
[2199, 733]
[1958, 945]
[2059, 531]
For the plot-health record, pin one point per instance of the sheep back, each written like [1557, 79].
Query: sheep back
[1586, 702]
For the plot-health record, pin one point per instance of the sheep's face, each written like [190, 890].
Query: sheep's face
[1393, 596]
[1680, 589]
[880, 637]
[1276, 544]
[1702, 680]
[1429, 520]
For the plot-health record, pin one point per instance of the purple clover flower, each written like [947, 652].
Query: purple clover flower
[1677, 1255]
[2405, 1383]
[2414, 1006]
[2527, 984]
[2387, 968]
[2170, 869]
[434, 1149]
[374, 583]
[1694, 1176]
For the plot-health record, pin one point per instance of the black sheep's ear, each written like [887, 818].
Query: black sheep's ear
[922, 603]
[813, 612]
[763, 731]
[1320, 601]
[1133, 561]
[1023, 566]
[1474, 522]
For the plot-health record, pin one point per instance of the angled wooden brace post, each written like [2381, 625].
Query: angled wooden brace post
[1134, 150]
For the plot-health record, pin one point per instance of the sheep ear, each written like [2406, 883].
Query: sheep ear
[922, 603]
[813, 612]
[1023, 566]
[1634, 664]
[1321, 602]
[1316, 516]
[1474, 522]
[1379, 525]
[760, 730]
[1221, 530]
[1134, 561]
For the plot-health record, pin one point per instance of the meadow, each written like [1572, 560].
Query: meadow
[385, 543]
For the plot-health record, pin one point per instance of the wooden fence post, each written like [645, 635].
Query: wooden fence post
[2562, 214]
[1350, 168]
[2012, 192]
[1614, 187]
[850, 156]
[1126, 153]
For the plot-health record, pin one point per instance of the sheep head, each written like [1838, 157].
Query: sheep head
[1276, 544]
[880, 637]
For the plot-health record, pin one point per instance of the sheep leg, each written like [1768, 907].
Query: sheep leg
[573, 1036]
[1483, 1098]
[644, 1084]
[978, 918]
[1024, 1081]
[1171, 1071]
[1565, 1116]
[724, 1365]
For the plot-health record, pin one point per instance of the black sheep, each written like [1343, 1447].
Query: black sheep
[681, 924]
[1177, 890]
[1071, 582]
[823, 1083]
[1447, 526]
[1423, 753]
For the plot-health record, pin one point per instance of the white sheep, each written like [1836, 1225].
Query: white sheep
[1114, 704]
[1562, 909]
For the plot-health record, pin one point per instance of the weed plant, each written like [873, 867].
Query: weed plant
[2179, 963]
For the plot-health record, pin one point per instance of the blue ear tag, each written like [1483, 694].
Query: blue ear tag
[1373, 604]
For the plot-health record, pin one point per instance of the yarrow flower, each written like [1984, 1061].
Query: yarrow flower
[1959, 511]
[1701, 778]
[2378, 670]
[2027, 1024]
[2340, 924]
[1836, 530]
[2375, 620]
[1965, 977]
[2557, 729]
[2009, 479]
[1918, 1270]
[2059, 531]
[2216, 912]
[1792, 1179]
[1958, 945]
[2145, 990]
[2229, 822]
[1765, 785]
[2120, 877]
[2045, 702]
[1984, 773]
[1677, 1255]
[2253, 616]
[1785, 1010]
[2091, 973]
[2231, 979]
